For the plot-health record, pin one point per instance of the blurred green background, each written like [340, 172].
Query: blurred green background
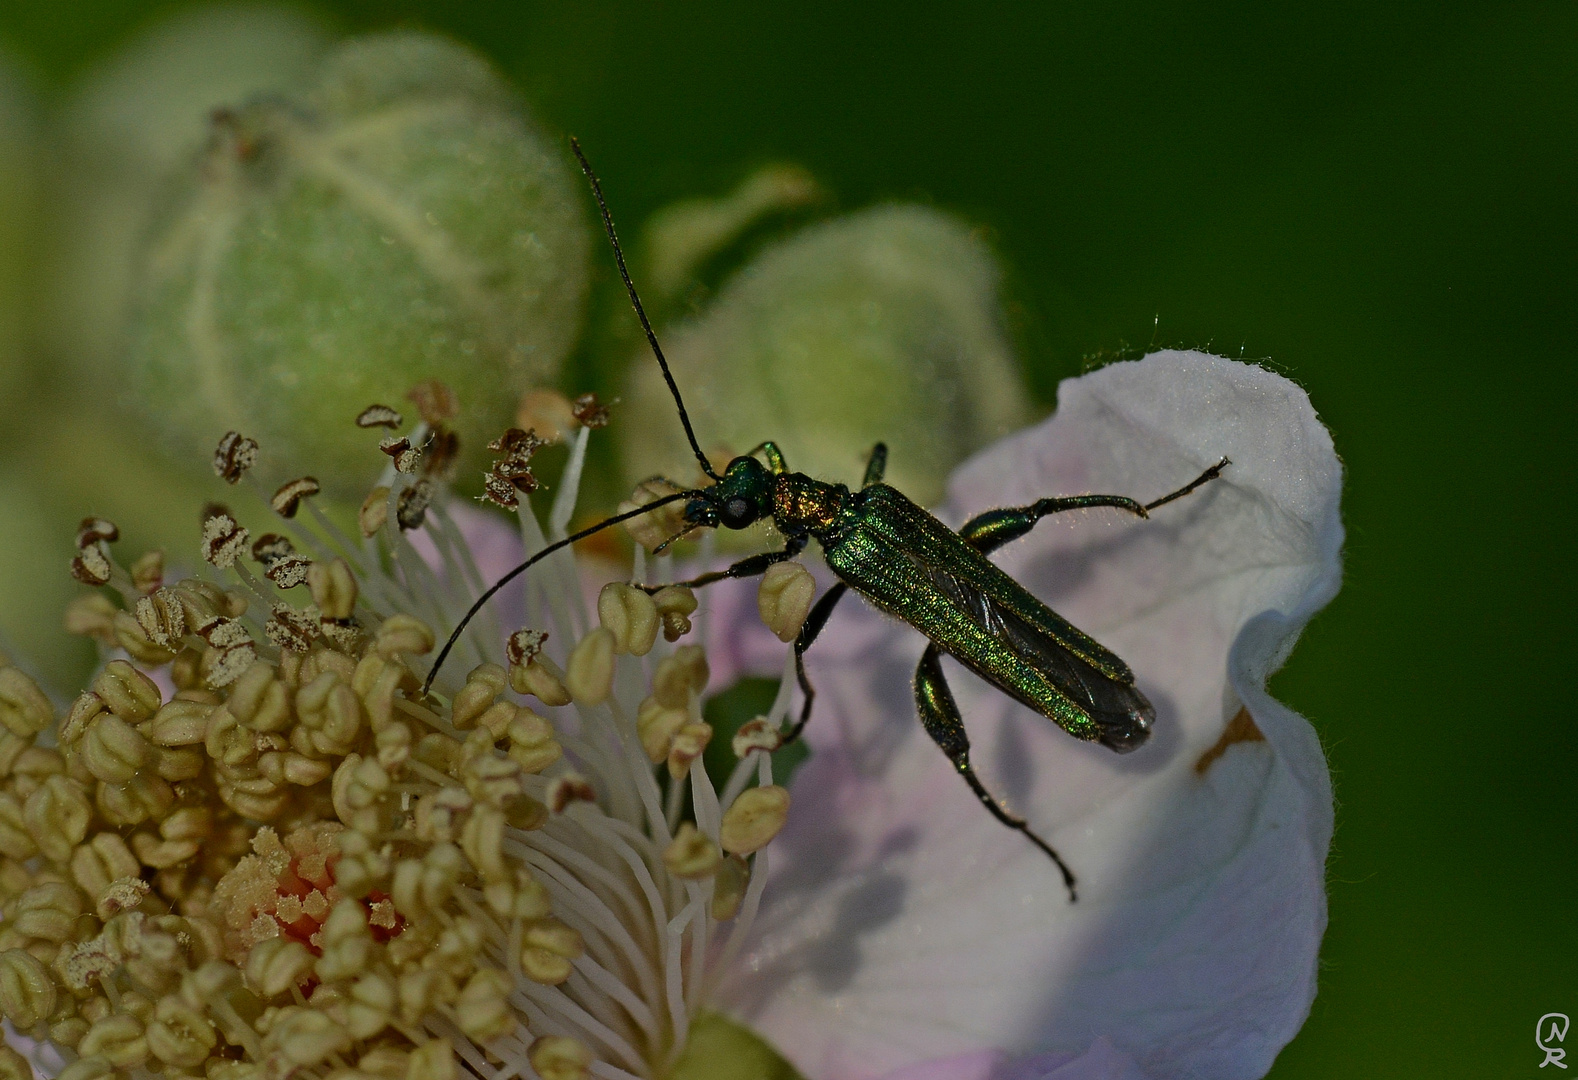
[1376, 199]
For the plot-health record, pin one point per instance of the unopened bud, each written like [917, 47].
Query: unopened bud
[899, 297]
[92, 1067]
[180, 723]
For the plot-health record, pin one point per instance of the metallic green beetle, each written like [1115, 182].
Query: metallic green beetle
[909, 564]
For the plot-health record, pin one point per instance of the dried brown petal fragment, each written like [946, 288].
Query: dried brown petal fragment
[379, 416]
[234, 455]
[287, 500]
[224, 541]
[590, 411]
[411, 506]
[435, 401]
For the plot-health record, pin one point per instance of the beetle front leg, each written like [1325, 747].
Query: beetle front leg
[747, 567]
[939, 714]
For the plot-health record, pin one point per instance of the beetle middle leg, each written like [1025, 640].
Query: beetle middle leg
[939, 715]
[746, 567]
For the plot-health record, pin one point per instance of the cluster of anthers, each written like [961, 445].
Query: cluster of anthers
[254, 848]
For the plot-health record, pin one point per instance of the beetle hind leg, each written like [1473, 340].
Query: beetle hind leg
[939, 714]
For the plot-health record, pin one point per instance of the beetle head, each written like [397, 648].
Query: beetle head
[741, 498]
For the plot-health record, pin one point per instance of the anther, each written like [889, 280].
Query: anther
[412, 503]
[287, 500]
[223, 540]
[379, 416]
[589, 411]
[234, 455]
[754, 819]
[374, 511]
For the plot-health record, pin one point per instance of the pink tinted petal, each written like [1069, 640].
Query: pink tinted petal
[903, 924]
[496, 548]
[1102, 1061]
[738, 644]
[980, 1065]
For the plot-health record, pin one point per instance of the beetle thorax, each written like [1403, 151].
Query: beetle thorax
[802, 504]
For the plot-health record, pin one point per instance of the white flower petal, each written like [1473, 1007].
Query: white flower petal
[903, 924]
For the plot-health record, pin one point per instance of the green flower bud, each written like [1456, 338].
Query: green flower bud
[399, 221]
[133, 121]
[878, 326]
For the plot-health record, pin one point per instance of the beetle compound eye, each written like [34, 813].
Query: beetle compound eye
[737, 513]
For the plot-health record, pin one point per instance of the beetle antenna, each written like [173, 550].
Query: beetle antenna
[443, 654]
[635, 302]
